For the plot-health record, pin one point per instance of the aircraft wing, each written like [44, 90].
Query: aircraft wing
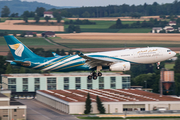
[93, 62]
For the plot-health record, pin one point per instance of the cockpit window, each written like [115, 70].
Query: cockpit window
[168, 50]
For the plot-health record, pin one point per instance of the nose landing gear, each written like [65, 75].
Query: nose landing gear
[158, 65]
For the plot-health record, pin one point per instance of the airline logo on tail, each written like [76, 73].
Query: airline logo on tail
[18, 49]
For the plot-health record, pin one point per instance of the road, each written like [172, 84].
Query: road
[40, 111]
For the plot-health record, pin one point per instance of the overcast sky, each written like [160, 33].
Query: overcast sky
[80, 3]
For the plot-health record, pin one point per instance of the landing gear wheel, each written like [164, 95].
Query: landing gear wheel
[99, 74]
[94, 74]
[157, 67]
[89, 77]
[95, 77]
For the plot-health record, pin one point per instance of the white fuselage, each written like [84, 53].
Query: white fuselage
[139, 55]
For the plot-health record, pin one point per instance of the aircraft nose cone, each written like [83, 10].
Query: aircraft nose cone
[173, 53]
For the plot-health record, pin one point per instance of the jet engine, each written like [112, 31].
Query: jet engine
[121, 66]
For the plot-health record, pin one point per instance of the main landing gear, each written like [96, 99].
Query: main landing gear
[94, 75]
[158, 65]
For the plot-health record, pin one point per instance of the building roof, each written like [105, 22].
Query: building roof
[170, 29]
[30, 33]
[14, 102]
[172, 22]
[106, 95]
[48, 12]
[59, 74]
[49, 33]
[3, 96]
[157, 28]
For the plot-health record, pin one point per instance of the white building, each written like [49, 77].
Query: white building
[168, 29]
[156, 29]
[49, 14]
[171, 23]
[114, 100]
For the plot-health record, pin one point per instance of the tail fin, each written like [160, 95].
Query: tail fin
[19, 50]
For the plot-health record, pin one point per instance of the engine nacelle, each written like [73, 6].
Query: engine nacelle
[121, 66]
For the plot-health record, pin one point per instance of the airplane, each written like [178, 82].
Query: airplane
[119, 60]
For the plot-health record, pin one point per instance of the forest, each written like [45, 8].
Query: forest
[126, 10]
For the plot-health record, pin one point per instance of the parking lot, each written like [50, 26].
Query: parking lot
[40, 111]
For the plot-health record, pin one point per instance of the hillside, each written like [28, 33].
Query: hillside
[17, 6]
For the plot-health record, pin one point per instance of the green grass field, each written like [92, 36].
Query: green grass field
[102, 26]
[169, 66]
[2, 19]
[135, 30]
[28, 41]
[98, 25]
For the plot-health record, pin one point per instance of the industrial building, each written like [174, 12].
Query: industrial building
[25, 83]
[11, 109]
[114, 100]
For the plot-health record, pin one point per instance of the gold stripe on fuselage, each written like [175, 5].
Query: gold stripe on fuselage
[72, 66]
[55, 62]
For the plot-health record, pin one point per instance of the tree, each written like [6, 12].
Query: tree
[37, 18]
[25, 14]
[40, 11]
[57, 51]
[118, 23]
[100, 106]
[70, 52]
[25, 19]
[58, 18]
[93, 15]
[64, 13]
[14, 15]
[28, 14]
[62, 52]
[55, 13]
[3, 65]
[77, 29]
[88, 105]
[5, 11]
[178, 21]
[22, 34]
[9, 69]
[70, 28]
[14, 34]
[177, 75]
[47, 18]
[162, 16]
[86, 14]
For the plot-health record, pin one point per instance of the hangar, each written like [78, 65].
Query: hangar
[114, 100]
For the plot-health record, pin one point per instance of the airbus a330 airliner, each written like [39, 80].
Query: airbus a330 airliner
[119, 60]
